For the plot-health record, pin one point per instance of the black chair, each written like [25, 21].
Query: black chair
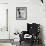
[32, 29]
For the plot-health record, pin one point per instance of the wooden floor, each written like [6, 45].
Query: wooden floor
[27, 44]
[6, 40]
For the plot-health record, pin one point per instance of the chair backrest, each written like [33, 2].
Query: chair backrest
[33, 28]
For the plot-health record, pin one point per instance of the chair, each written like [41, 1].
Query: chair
[33, 30]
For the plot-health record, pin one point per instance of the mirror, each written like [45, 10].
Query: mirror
[3, 17]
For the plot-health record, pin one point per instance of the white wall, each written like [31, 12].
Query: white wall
[4, 34]
[35, 13]
[3, 1]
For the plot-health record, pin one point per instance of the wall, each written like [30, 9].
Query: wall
[35, 13]
[44, 22]
[4, 34]
[3, 1]
[3, 21]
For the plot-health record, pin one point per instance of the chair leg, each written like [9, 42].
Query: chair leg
[32, 42]
[20, 42]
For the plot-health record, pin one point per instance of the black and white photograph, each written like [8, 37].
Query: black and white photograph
[21, 13]
[22, 22]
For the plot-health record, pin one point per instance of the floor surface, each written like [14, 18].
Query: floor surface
[27, 44]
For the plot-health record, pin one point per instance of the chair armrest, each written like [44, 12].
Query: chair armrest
[24, 32]
[22, 35]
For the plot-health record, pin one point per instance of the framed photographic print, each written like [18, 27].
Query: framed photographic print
[21, 13]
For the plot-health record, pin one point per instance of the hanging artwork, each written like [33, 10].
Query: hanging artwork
[21, 13]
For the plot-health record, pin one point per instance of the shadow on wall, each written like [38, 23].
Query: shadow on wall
[41, 34]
